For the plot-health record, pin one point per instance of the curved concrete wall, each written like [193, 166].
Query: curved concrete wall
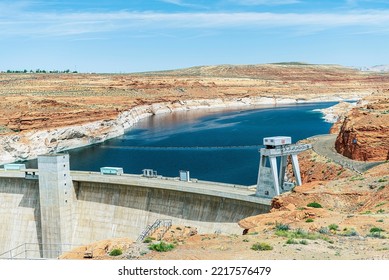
[108, 210]
[105, 210]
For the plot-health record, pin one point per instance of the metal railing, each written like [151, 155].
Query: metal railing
[150, 229]
[34, 251]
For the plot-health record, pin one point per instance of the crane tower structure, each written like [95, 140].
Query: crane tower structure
[271, 180]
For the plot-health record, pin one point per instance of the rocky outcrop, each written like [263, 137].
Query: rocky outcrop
[336, 112]
[349, 203]
[364, 134]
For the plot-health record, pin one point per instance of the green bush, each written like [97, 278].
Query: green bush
[376, 232]
[314, 205]
[303, 242]
[115, 252]
[309, 220]
[148, 239]
[282, 227]
[323, 230]
[349, 232]
[261, 247]
[291, 241]
[161, 247]
[333, 227]
[376, 229]
[380, 204]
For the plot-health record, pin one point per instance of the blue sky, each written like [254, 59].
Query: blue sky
[133, 36]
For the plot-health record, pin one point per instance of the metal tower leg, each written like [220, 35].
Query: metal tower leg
[296, 169]
[281, 176]
[273, 165]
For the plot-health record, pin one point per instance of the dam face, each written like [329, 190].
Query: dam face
[100, 207]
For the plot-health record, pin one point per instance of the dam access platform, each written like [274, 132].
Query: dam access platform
[52, 209]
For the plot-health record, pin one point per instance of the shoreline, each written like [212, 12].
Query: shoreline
[28, 145]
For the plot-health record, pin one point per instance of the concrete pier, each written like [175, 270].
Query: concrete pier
[56, 202]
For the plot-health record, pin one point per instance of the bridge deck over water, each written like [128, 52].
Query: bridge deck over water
[231, 191]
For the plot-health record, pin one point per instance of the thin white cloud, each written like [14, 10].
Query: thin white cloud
[175, 2]
[67, 24]
[264, 2]
[184, 4]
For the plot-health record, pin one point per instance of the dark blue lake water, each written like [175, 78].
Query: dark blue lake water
[215, 146]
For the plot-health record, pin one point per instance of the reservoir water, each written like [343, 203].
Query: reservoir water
[220, 146]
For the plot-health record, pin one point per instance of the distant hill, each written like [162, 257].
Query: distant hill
[286, 70]
[377, 68]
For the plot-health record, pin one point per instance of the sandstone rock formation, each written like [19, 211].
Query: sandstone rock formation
[364, 134]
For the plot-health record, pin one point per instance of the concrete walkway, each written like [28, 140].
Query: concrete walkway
[325, 145]
[237, 192]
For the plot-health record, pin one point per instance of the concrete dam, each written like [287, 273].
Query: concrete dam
[48, 211]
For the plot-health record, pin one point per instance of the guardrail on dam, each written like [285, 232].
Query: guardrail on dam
[88, 206]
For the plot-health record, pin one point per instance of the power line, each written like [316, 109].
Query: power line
[156, 148]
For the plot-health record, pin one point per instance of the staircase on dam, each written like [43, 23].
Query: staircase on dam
[150, 229]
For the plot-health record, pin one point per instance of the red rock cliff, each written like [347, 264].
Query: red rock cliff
[364, 134]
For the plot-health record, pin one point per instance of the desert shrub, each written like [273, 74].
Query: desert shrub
[161, 247]
[349, 232]
[301, 234]
[333, 227]
[314, 205]
[291, 241]
[323, 230]
[309, 220]
[357, 178]
[376, 229]
[282, 227]
[303, 242]
[261, 247]
[375, 232]
[115, 252]
[148, 239]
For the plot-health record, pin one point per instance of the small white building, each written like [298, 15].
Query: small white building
[111, 170]
[14, 166]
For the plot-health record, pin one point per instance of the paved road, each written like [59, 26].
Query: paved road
[325, 145]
